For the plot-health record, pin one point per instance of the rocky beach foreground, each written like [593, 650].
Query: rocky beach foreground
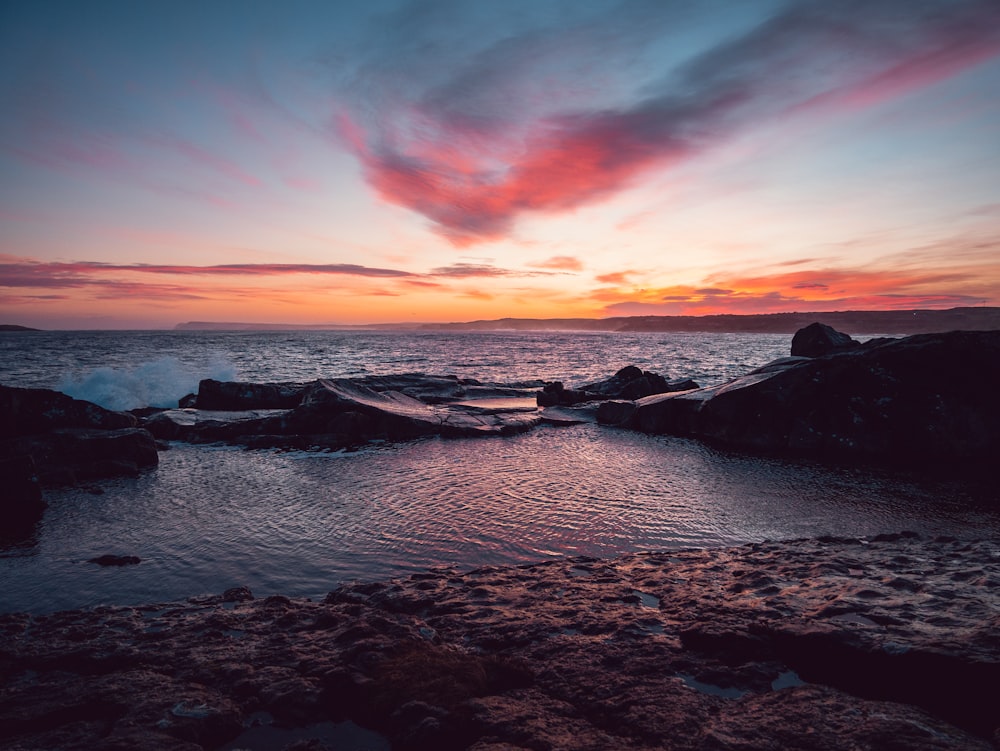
[891, 642]
[885, 643]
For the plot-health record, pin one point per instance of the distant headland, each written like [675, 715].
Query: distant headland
[854, 321]
[12, 327]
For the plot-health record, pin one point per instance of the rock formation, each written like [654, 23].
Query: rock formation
[929, 399]
[818, 339]
[830, 644]
[338, 413]
[69, 440]
[628, 383]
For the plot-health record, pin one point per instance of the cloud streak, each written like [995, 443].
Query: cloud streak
[27, 273]
[452, 153]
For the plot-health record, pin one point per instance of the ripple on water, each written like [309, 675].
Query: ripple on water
[299, 523]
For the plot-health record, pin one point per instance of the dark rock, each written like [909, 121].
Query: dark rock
[613, 385]
[818, 339]
[628, 383]
[428, 389]
[555, 394]
[116, 560]
[34, 411]
[929, 399]
[188, 401]
[333, 406]
[69, 456]
[70, 440]
[21, 503]
[584, 413]
[237, 594]
[631, 383]
[393, 414]
[206, 426]
[233, 395]
[615, 412]
[685, 384]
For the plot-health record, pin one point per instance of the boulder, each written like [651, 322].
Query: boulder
[925, 399]
[629, 383]
[818, 339]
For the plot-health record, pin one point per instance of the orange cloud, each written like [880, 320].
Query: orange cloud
[815, 290]
[559, 263]
[617, 277]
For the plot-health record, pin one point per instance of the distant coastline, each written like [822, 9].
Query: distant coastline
[852, 321]
[13, 327]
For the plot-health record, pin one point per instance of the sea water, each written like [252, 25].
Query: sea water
[300, 523]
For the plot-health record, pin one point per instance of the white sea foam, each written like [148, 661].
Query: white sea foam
[159, 383]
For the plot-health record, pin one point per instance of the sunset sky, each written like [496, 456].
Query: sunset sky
[396, 161]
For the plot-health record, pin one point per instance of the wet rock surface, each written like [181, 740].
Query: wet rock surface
[346, 412]
[929, 399]
[889, 642]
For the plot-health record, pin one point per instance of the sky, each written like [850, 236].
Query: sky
[454, 160]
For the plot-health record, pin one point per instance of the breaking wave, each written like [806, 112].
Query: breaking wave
[159, 383]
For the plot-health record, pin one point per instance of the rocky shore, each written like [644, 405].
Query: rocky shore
[885, 643]
[927, 400]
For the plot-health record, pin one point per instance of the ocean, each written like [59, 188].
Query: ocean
[301, 523]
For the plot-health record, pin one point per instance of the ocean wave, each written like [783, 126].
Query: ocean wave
[158, 383]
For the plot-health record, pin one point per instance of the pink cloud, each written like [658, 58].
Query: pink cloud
[473, 174]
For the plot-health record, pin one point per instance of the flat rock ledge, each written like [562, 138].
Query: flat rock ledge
[887, 643]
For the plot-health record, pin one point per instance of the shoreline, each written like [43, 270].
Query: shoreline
[847, 642]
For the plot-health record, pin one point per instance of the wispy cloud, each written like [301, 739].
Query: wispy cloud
[15, 272]
[465, 270]
[450, 151]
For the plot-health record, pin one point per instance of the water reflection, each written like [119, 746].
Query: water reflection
[299, 523]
